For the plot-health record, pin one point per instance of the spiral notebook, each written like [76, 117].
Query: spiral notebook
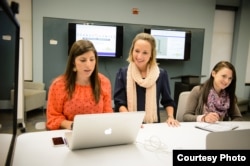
[216, 127]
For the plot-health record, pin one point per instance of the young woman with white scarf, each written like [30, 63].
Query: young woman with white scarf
[141, 85]
[214, 100]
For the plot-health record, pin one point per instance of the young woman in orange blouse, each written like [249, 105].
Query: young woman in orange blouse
[80, 90]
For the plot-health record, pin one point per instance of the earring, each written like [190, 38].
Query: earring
[74, 69]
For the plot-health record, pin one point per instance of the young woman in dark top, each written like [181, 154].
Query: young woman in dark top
[141, 85]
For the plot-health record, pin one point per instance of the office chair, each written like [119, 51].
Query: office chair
[181, 105]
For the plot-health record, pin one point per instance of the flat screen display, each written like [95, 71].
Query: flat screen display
[171, 44]
[107, 39]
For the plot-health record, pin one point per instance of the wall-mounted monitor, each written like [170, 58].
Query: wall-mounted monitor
[107, 39]
[171, 44]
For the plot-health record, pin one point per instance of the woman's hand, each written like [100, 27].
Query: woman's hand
[123, 109]
[211, 117]
[66, 124]
[172, 122]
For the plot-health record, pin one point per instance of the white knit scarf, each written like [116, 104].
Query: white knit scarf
[133, 75]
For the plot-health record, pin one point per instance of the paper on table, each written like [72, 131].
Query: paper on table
[214, 127]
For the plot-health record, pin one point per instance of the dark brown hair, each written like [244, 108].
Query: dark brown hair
[230, 89]
[78, 48]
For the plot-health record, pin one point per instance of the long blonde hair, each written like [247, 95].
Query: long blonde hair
[151, 40]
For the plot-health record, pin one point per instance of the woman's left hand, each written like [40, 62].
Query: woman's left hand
[172, 122]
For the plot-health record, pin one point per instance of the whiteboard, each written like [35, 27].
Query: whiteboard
[20, 101]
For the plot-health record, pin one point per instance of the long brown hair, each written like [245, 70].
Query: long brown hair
[230, 89]
[78, 48]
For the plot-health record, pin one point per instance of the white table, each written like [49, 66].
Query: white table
[5, 141]
[154, 146]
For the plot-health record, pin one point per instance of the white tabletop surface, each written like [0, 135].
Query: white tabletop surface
[153, 146]
[5, 141]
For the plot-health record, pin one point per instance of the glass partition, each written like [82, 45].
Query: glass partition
[9, 55]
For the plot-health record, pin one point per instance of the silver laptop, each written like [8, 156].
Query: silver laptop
[234, 139]
[106, 129]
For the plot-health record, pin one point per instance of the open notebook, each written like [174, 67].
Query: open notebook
[106, 129]
[215, 127]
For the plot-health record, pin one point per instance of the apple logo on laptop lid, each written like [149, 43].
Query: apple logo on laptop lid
[108, 131]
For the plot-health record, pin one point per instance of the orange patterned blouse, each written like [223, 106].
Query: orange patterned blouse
[59, 108]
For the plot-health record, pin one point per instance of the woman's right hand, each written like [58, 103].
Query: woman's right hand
[211, 117]
[123, 109]
[66, 124]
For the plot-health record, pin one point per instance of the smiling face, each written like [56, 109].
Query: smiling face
[222, 78]
[142, 54]
[85, 65]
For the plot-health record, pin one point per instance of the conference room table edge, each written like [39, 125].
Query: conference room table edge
[154, 145]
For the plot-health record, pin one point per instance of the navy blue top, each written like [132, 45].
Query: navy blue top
[162, 86]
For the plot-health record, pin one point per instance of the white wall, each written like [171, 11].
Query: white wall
[240, 49]
[176, 13]
[24, 19]
[248, 66]
[179, 13]
[222, 36]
